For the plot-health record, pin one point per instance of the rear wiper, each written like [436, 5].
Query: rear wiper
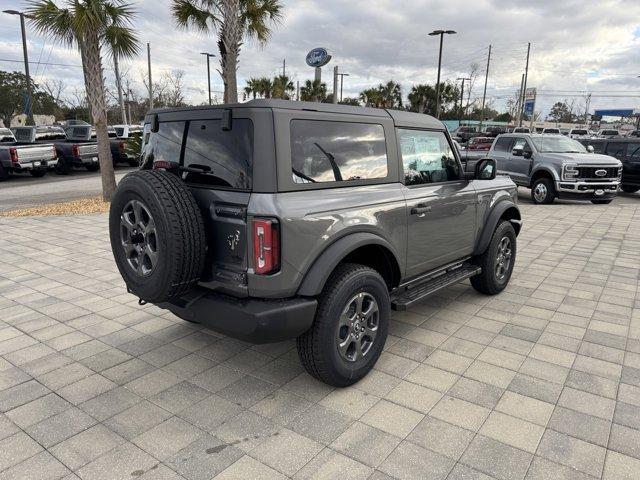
[302, 176]
[332, 161]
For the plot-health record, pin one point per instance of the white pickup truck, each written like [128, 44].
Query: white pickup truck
[22, 154]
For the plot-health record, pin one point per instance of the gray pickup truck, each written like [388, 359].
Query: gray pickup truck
[77, 149]
[22, 153]
[272, 220]
[554, 166]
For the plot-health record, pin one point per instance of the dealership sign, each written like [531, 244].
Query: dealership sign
[529, 101]
[318, 57]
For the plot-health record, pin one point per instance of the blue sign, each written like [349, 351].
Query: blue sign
[528, 107]
[318, 57]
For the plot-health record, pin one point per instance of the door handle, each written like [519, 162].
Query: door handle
[420, 210]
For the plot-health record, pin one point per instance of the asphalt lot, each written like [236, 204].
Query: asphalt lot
[539, 382]
[22, 191]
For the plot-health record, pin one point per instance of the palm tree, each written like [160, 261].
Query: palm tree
[252, 87]
[313, 91]
[371, 97]
[390, 94]
[232, 20]
[282, 87]
[421, 97]
[91, 26]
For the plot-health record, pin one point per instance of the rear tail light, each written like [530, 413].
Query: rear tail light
[164, 165]
[75, 150]
[55, 153]
[121, 146]
[13, 154]
[266, 246]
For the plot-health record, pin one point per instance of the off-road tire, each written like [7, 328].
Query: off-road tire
[180, 235]
[38, 173]
[629, 188]
[92, 167]
[602, 202]
[317, 348]
[551, 191]
[487, 281]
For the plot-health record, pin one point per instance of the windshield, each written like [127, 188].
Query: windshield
[6, 136]
[609, 132]
[557, 145]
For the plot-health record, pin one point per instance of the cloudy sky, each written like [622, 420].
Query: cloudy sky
[576, 47]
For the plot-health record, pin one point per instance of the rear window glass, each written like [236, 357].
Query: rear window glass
[224, 157]
[616, 148]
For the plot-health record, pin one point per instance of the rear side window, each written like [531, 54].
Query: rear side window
[427, 157]
[633, 150]
[225, 158]
[502, 144]
[616, 149]
[324, 151]
[598, 147]
[164, 145]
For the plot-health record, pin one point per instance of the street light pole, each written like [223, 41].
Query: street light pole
[209, 55]
[29, 102]
[441, 33]
[342, 75]
[464, 79]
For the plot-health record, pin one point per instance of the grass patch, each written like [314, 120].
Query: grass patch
[81, 206]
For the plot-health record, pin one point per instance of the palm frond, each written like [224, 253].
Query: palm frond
[200, 15]
[122, 41]
[50, 20]
[258, 16]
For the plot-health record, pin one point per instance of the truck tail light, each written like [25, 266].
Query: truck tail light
[266, 246]
[75, 150]
[164, 165]
[121, 146]
[55, 153]
[13, 154]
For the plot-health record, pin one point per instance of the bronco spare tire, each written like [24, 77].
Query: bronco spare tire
[157, 235]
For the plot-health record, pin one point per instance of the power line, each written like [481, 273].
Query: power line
[41, 63]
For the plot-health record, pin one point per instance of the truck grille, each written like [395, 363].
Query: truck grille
[590, 172]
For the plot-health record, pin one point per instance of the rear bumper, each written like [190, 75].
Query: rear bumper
[35, 165]
[249, 319]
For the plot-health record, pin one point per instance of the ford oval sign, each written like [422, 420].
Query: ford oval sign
[318, 57]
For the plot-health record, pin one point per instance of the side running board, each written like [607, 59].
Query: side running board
[411, 294]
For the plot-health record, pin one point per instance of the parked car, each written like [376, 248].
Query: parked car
[77, 148]
[120, 146]
[463, 133]
[480, 143]
[608, 133]
[521, 130]
[578, 132]
[272, 220]
[554, 166]
[21, 153]
[634, 133]
[494, 131]
[551, 131]
[627, 150]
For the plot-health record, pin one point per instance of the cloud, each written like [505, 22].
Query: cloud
[577, 46]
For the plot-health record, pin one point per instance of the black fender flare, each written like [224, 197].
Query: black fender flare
[492, 222]
[315, 278]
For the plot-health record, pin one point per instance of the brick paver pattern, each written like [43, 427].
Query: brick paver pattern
[539, 382]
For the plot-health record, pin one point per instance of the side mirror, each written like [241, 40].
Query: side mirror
[486, 169]
[527, 153]
[590, 149]
[516, 152]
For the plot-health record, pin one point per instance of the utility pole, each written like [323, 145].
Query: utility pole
[116, 67]
[284, 67]
[462, 109]
[586, 110]
[441, 33]
[484, 95]
[335, 84]
[342, 75]
[209, 55]
[150, 82]
[28, 107]
[524, 88]
[297, 90]
[518, 103]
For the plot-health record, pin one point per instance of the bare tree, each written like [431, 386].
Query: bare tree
[56, 89]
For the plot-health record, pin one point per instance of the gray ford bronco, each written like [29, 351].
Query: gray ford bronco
[273, 220]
